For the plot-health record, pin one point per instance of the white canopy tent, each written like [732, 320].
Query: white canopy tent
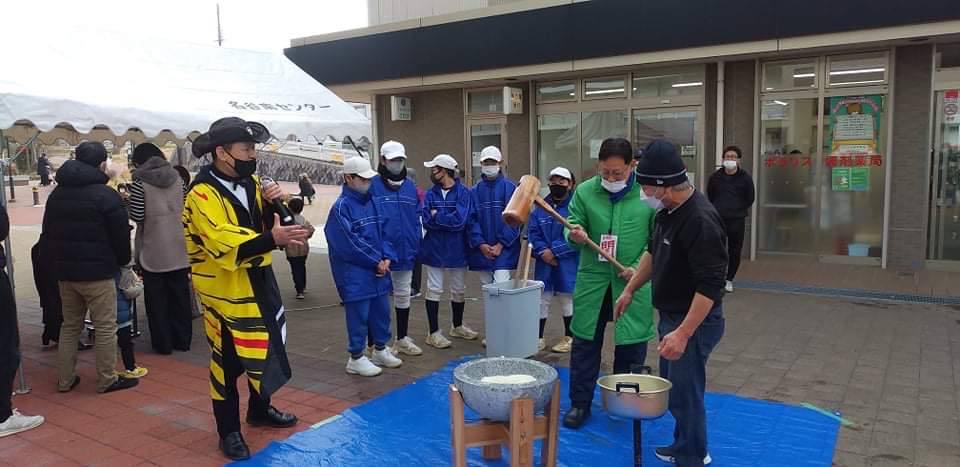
[91, 81]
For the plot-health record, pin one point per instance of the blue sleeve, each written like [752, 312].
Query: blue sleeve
[561, 248]
[535, 234]
[476, 231]
[451, 220]
[354, 248]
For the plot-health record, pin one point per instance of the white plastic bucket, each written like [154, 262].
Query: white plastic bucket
[512, 318]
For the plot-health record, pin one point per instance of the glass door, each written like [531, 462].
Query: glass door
[678, 125]
[945, 215]
[480, 134]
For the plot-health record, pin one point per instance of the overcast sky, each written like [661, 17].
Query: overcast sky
[246, 24]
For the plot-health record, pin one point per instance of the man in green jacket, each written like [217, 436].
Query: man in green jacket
[609, 210]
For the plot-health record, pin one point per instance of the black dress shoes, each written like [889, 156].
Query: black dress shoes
[273, 418]
[234, 447]
[576, 417]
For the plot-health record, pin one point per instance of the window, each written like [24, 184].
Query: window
[858, 70]
[596, 127]
[794, 74]
[559, 143]
[557, 92]
[668, 82]
[485, 101]
[604, 88]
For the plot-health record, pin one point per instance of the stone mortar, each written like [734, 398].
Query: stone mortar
[492, 401]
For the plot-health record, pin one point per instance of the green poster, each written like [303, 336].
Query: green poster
[860, 179]
[854, 125]
[841, 179]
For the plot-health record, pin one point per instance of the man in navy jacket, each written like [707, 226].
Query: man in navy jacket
[496, 245]
[447, 213]
[360, 260]
[398, 206]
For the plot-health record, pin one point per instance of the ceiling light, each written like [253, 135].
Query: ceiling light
[804, 75]
[780, 103]
[687, 85]
[858, 71]
[604, 91]
[846, 83]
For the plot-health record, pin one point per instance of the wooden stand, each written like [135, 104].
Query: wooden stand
[518, 434]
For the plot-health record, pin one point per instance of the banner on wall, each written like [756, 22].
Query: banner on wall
[951, 106]
[854, 140]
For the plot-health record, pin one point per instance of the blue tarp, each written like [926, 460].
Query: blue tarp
[411, 426]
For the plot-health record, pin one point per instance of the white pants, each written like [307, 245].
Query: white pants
[492, 277]
[435, 283]
[564, 299]
[401, 288]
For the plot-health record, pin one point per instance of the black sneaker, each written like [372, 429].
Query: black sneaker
[122, 383]
[666, 454]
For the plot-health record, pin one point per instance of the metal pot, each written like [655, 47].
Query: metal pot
[635, 396]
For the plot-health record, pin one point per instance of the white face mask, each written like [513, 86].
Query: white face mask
[490, 171]
[395, 167]
[613, 187]
[360, 185]
[655, 203]
[730, 165]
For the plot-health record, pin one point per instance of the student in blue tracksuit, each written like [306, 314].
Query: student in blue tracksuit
[557, 262]
[496, 245]
[398, 206]
[447, 214]
[360, 260]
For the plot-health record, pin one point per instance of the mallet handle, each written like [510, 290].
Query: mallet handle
[556, 215]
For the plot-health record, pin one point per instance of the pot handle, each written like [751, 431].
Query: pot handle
[640, 369]
[634, 386]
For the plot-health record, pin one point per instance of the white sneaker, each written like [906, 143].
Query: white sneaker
[541, 345]
[464, 332]
[19, 422]
[729, 287]
[437, 340]
[363, 367]
[564, 346]
[386, 359]
[407, 347]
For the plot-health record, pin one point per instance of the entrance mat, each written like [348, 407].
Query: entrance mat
[411, 426]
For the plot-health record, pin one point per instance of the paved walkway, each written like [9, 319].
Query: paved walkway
[891, 368]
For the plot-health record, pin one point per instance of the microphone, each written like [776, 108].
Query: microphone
[286, 217]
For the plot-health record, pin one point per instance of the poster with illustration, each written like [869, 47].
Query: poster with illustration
[854, 125]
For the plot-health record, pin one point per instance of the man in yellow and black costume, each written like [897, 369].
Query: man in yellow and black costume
[231, 229]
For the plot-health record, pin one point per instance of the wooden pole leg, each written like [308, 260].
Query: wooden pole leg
[548, 451]
[522, 431]
[457, 428]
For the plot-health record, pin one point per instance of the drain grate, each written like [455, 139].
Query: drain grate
[849, 293]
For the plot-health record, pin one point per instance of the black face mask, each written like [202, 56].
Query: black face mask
[245, 168]
[558, 191]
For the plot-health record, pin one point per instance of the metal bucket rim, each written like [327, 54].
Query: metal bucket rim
[604, 381]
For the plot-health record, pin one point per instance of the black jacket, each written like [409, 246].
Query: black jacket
[689, 248]
[85, 225]
[732, 195]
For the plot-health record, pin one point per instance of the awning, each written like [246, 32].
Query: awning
[84, 79]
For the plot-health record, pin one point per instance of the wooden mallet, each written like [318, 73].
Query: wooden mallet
[521, 203]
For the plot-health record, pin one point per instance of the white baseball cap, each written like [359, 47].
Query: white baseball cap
[491, 153]
[561, 172]
[442, 160]
[358, 166]
[392, 150]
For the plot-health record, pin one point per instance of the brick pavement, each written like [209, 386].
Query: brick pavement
[891, 368]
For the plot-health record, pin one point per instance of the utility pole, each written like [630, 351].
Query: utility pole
[219, 32]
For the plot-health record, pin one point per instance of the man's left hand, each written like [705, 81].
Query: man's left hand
[673, 345]
[273, 191]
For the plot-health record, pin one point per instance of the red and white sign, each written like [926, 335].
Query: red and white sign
[951, 106]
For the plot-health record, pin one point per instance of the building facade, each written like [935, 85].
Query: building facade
[846, 112]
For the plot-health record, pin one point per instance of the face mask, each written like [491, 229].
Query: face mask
[243, 168]
[613, 187]
[655, 203]
[490, 171]
[360, 186]
[558, 191]
[395, 167]
[730, 165]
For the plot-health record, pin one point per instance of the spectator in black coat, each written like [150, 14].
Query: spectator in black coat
[731, 191]
[87, 231]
